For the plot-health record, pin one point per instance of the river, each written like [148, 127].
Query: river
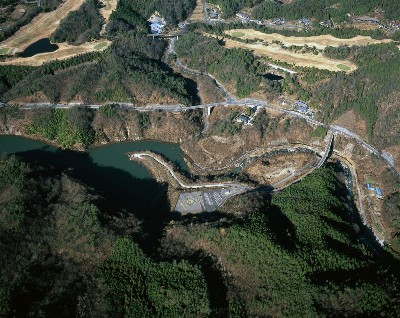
[109, 163]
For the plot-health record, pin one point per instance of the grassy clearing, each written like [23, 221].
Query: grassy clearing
[100, 46]
[238, 34]
[4, 50]
[344, 67]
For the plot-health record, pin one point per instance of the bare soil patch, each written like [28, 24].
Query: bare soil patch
[41, 27]
[274, 169]
[352, 121]
[65, 51]
[275, 52]
[320, 41]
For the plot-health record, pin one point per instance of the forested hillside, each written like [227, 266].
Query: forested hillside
[296, 255]
[371, 90]
[129, 71]
[69, 248]
[237, 67]
[61, 256]
[80, 26]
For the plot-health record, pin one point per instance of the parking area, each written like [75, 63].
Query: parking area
[203, 201]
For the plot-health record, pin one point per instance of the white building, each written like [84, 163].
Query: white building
[157, 23]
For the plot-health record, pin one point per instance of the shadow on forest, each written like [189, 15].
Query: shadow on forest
[119, 191]
[282, 229]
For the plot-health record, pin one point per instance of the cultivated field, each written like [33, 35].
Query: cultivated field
[65, 51]
[275, 52]
[41, 27]
[197, 15]
[320, 41]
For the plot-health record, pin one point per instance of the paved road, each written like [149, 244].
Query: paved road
[190, 186]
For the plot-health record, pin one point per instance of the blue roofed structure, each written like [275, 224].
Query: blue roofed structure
[378, 192]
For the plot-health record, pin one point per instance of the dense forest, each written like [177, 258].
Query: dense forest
[80, 26]
[70, 248]
[237, 67]
[138, 11]
[320, 10]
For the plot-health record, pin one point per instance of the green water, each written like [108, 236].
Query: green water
[110, 162]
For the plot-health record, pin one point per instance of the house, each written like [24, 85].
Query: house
[379, 193]
[369, 187]
[182, 25]
[244, 17]
[156, 28]
[306, 22]
[213, 13]
[301, 106]
[327, 24]
[278, 21]
[157, 23]
[244, 119]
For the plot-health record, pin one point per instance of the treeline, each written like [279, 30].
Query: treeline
[320, 10]
[230, 7]
[136, 12]
[81, 25]
[233, 66]
[323, 10]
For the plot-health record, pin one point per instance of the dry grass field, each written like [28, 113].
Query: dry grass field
[275, 52]
[320, 41]
[41, 27]
[109, 7]
[65, 51]
[197, 15]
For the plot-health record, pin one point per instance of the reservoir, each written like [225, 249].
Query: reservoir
[108, 164]
[40, 46]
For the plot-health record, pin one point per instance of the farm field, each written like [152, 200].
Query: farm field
[320, 41]
[275, 52]
[41, 27]
[65, 51]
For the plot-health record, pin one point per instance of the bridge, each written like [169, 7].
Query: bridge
[328, 149]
